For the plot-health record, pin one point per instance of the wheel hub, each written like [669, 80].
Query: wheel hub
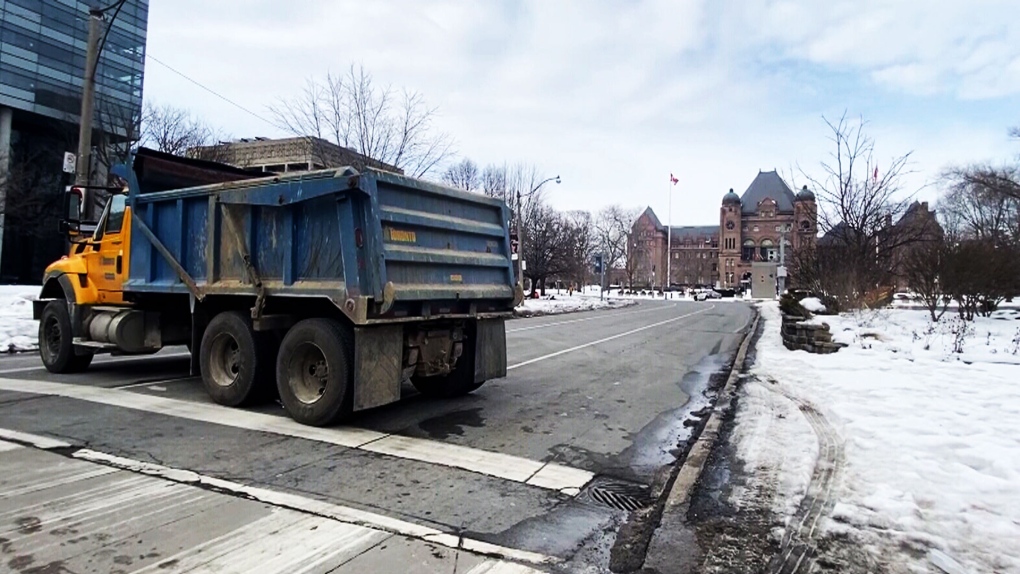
[226, 360]
[308, 373]
[52, 336]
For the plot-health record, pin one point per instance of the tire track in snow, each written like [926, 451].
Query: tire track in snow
[797, 550]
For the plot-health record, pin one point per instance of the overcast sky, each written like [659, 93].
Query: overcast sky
[615, 95]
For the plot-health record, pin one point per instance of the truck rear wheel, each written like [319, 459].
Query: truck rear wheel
[235, 360]
[313, 372]
[56, 341]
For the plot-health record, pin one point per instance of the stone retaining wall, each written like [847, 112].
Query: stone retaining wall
[812, 338]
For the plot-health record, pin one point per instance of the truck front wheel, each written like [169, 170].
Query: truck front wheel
[313, 372]
[56, 341]
[235, 360]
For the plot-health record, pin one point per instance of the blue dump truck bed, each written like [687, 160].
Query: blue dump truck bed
[382, 247]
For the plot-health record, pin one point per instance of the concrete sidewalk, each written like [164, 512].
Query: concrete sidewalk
[61, 514]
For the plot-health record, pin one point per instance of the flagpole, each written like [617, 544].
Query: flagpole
[669, 237]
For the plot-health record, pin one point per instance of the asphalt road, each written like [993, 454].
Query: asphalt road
[589, 396]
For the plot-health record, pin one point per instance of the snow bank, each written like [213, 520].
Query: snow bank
[930, 418]
[555, 303]
[18, 331]
[813, 304]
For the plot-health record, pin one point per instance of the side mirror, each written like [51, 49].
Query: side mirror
[71, 224]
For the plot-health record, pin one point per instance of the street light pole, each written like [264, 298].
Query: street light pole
[520, 228]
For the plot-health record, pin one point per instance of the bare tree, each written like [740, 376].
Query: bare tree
[493, 182]
[174, 130]
[612, 235]
[546, 247]
[858, 204]
[925, 267]
[393, 127]
[463, 175]
[976, 206]
[30, 193]
[120, 131]
[980, 274]
[579, 245]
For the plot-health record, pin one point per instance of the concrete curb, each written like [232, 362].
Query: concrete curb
[672, 490]
[683, 485]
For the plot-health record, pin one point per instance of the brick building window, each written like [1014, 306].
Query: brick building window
[747, 253]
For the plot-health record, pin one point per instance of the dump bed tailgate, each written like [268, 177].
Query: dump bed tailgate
[439, 243]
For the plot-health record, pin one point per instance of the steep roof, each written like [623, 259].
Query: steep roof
[694, 232]
[915, 211]
[651, 215]
[767, 184]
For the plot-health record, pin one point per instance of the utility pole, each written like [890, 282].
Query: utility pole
[84, 166]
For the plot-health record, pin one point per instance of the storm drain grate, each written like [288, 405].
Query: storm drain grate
[617, 494]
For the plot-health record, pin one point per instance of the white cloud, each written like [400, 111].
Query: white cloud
[614, 95]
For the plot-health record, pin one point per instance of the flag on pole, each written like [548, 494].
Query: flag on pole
[673, 178]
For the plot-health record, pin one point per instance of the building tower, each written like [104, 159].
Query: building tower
[729, 240]
[805, 219]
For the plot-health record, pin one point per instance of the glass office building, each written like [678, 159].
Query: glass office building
[42, 61]
[42, 48]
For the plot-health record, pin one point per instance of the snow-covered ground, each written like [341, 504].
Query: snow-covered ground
[561, 301]
[906, 442]
[18, 331]
[913, 301]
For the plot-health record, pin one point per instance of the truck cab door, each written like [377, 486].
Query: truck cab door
[106, 256]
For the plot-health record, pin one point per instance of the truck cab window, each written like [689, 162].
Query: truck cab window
[115, 217]
[112, 218]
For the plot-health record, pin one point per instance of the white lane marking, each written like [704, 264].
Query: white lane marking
[110, 363]
[554, 476]
[159, 382]
[280, 542]
[8, 446]
[491, 463]
[504, 466]
[606, 339]
[603, 316]
[38, 485]
[493, 567]
[336, 512]
[43, 442]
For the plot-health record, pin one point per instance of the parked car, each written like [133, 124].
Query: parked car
[706, 294]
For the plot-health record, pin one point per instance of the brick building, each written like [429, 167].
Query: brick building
[751, 227]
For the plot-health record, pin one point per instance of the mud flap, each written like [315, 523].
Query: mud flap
[490, 350]
[378, 358]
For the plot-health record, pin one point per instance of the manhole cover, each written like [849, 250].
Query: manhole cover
[617, 494]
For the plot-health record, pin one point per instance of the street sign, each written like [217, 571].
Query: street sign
[781, 271]
[70, 162]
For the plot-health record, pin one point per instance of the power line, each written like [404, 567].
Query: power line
[210, 90]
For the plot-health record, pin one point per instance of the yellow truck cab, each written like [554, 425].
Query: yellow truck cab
[91, 274]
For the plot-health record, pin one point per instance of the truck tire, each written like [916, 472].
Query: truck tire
[56, 341]
[235, 361]
[313, 372]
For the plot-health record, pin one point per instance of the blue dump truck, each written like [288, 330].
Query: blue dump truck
[327, 288]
